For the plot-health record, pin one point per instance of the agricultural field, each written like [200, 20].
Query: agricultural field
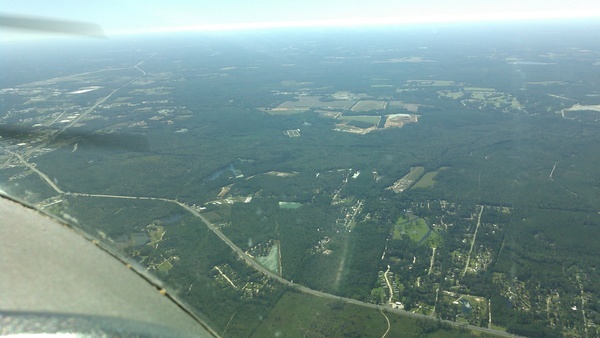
[366, 105]
[362, 118]
[411, 107]
[305, 103]
[252, 147]
[430, 83]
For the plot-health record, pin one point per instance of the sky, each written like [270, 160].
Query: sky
[138, 16]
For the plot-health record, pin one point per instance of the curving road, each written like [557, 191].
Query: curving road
[284, 281]
[34, 169]
[225, 239]
[387, 281]
[388, 324]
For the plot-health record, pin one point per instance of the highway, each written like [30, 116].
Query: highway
[310, 291]
[286, 282]
[89, 110]
[34, 169]
[224, 238]
[22, 158]
[275, 276]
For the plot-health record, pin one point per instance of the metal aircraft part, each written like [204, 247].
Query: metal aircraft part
[46, 25]
[52, 276]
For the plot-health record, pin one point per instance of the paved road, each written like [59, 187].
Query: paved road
[310, 291]
[41, 174]
[259, 267]
[224, 238]
[284, 281]
[85, 113]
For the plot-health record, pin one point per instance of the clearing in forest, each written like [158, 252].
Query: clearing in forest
[408, 179]
[428, 179]
[271, 261]
[417, 229]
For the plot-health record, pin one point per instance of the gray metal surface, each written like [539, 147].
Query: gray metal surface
[47, 267]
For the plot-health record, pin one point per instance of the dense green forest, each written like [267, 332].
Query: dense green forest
[505, 222]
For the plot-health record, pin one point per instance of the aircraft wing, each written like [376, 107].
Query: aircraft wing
[53, 279]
